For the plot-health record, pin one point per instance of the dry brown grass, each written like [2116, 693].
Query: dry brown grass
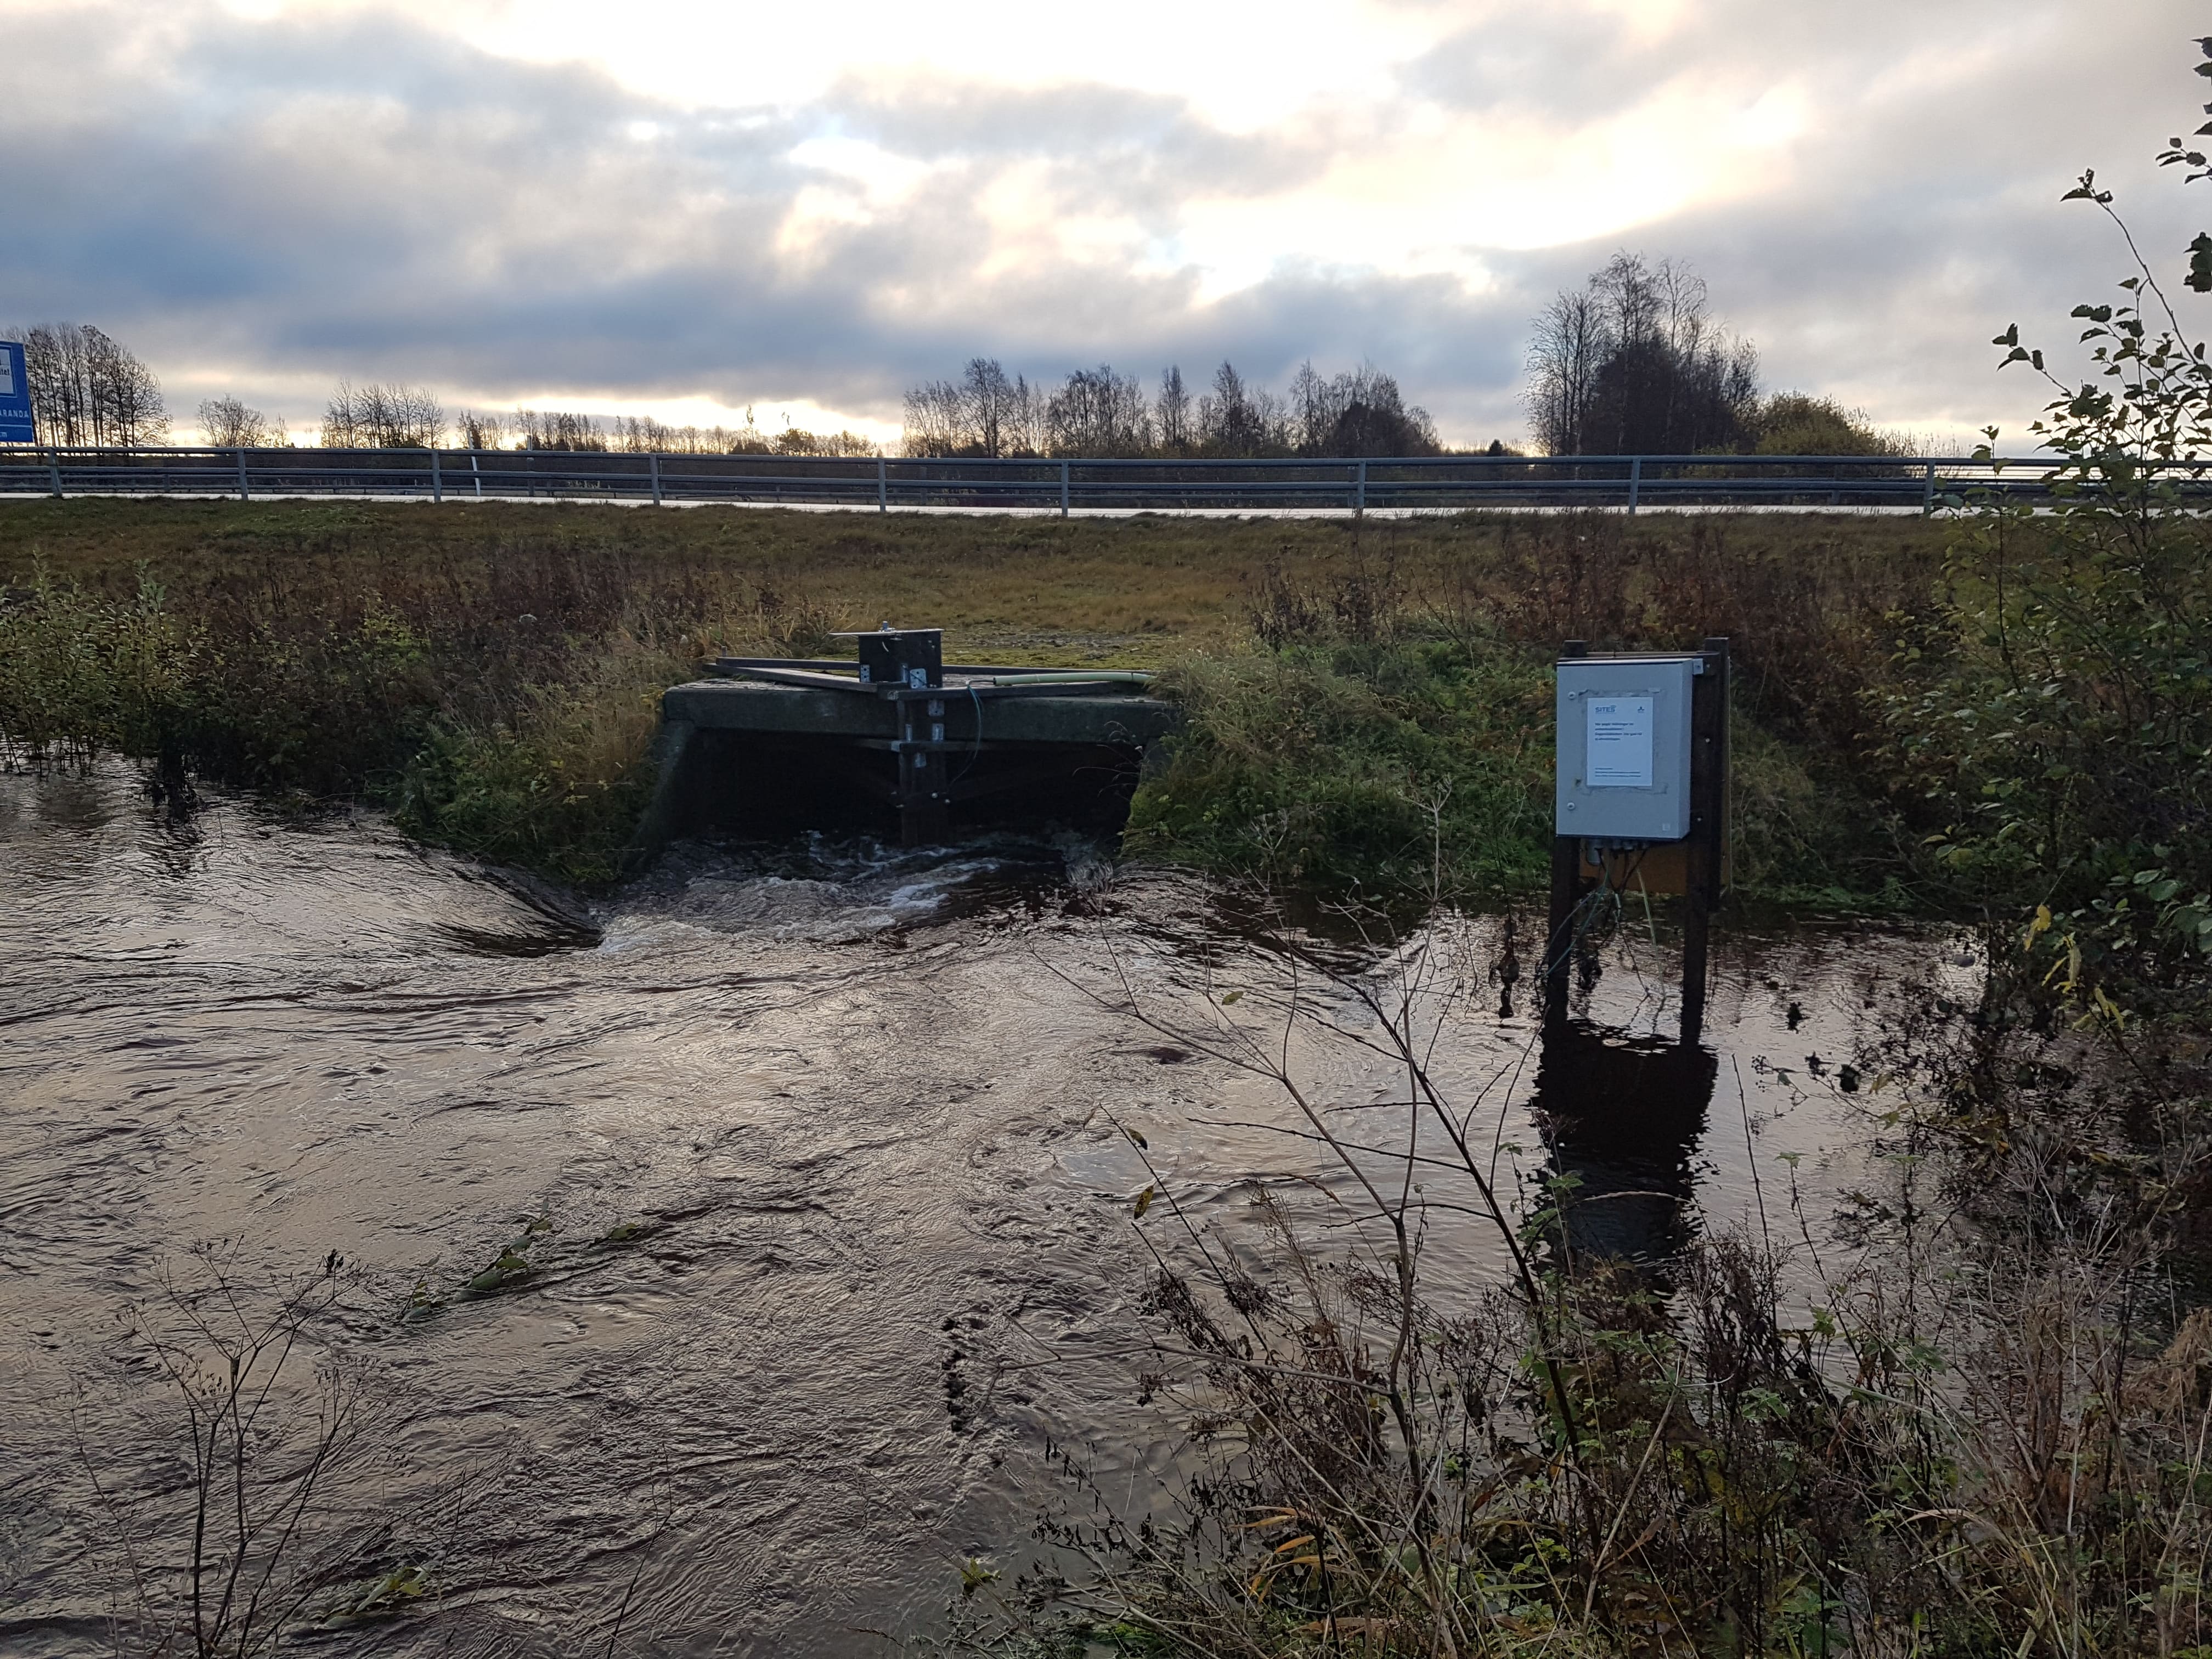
[1135, 590]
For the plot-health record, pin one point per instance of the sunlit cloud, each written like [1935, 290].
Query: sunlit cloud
[691, 206]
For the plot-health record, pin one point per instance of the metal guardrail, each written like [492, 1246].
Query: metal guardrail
[1432, 483]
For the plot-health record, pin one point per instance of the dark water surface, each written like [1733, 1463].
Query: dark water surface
[846, 1112]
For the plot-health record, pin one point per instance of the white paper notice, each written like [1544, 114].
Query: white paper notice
[7, 373]
[1618, 752]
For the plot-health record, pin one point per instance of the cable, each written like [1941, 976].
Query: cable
[1578, 923]
[974, 749]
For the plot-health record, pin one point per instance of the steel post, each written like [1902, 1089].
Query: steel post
[239, 456]
[1635, 484]
[883, 486]
[1558, 954]
[652, 466]
[1359, 493]
[1063, 489]
[1708, 828]
[54, 470]
[437, 477]
[1928, 492]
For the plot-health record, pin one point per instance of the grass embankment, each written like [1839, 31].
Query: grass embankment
[1364, 699]
[1389, 727]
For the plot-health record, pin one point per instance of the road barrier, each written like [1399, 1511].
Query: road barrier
[1454, 482]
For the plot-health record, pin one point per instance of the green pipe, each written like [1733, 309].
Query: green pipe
[1078, 677]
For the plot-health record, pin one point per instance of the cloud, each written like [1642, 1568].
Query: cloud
[263, 198]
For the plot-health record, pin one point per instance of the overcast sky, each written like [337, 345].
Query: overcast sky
[684, 207]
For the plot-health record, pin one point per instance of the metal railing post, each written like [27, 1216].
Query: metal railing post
[1359, 493]
[437, 477]
[1928, 492]
[476, 472]
[1635, 482]
[238, 455]
[1063, 489]
[883, 486]
[652, 466]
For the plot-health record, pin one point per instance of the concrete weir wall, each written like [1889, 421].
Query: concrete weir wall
[773, 759]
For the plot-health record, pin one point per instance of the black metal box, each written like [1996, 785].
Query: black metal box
[902, 656]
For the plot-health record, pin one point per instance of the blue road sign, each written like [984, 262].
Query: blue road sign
[15, 426]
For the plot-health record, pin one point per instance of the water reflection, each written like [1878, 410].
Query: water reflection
[1622, 1117]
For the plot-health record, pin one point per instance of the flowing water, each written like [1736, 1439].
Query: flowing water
[813, 1150]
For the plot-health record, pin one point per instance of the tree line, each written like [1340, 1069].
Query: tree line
[409, 418]
[1103, 413]
[88, 388]
[1633, 363]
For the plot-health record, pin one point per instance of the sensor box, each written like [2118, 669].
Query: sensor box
[912, 657]
[1624, 747]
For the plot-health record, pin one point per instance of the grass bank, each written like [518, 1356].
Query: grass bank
[1361, 694]
[1385, 724]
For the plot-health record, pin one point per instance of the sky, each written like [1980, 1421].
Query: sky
[687, 207]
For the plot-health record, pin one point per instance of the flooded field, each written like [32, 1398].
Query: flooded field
[812, 1156]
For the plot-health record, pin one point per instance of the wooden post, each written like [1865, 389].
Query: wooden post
[1709, 827]
[1558, 958]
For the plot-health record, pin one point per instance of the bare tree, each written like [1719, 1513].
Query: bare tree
[88, 388]
[480, 431]
[1174, 413]
[986, 412]
[1098, 412]
[558, 429]
[990, 403]
[936, 419]
[382, 418]
[1563, 360]
[230, 424]
[1239, 419]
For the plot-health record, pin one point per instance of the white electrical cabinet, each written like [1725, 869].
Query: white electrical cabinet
[1624, 747]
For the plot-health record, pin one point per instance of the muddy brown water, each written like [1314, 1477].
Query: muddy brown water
[857, 1103]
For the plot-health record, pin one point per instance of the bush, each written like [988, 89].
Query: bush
[2061, 713]
[486, 729]
[1399, 767]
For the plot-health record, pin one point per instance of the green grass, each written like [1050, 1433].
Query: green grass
[1390, 766]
